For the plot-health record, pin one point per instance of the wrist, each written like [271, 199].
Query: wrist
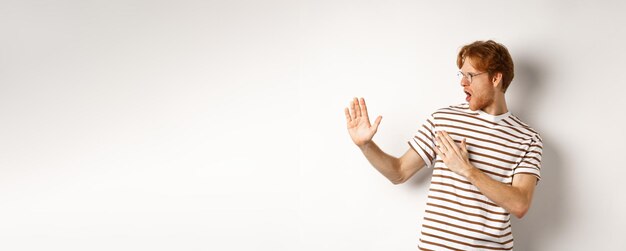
[364, 146]
[470, 171]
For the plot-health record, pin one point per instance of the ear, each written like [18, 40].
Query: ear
[496, 79]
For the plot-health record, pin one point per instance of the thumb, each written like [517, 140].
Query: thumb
[464, 145]
[377, 122]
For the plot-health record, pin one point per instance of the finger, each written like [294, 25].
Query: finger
[363, 108]
[352, 112]
[443, 150]
[438, 152]
[465, 151]
[464, 145]
[443, 143]
[437, 143]
[357, 108]
[347, 112]
[452, 146]
[377, 122]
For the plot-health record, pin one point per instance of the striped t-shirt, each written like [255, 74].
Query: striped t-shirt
[458, 216]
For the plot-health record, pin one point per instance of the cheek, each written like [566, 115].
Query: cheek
[477, 93]
[480, 91]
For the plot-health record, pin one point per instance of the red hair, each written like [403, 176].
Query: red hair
[491, 57]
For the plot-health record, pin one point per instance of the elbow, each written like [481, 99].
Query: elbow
[398, 180]
[398, 177]
[521, 211]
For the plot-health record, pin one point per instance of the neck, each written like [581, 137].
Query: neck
[498, 106]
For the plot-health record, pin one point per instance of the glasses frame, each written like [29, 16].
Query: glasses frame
[469, 75]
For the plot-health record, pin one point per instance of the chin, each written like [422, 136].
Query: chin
[473, 106]
[477, 104]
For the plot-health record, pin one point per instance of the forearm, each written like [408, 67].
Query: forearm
[504, 195]
[386, 164]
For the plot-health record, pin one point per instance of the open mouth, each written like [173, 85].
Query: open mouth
[468, 96]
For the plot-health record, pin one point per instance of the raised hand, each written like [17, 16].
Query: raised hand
[359, 127]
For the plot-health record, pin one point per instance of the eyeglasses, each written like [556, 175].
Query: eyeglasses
[469, 76]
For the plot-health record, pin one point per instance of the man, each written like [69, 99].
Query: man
[486, 162]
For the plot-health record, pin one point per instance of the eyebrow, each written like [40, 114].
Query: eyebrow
[469, 72]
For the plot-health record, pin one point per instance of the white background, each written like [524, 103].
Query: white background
[219, 125]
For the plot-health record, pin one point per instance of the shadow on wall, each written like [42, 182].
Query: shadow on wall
[544, 220]
[546, 216]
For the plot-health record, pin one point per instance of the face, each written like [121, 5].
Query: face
[481, 92]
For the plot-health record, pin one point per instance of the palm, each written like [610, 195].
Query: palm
[360, 130]
[358, 122]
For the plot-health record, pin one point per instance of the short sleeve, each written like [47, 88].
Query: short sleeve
[423, 142]
[531, 162]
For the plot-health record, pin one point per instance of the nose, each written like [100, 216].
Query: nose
[464, 82]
